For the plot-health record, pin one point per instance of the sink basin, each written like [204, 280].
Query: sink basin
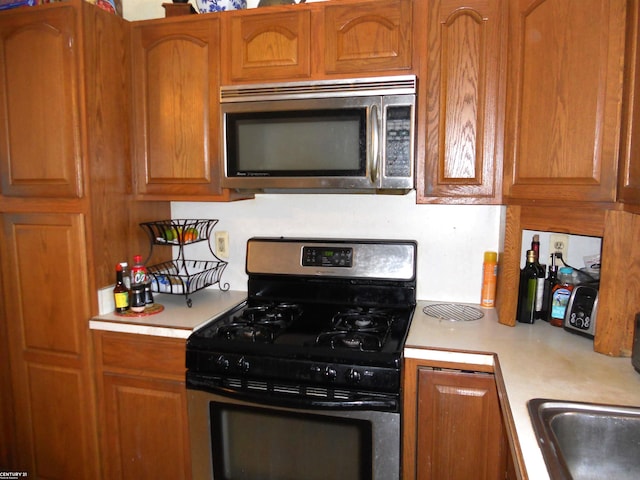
[587, 440]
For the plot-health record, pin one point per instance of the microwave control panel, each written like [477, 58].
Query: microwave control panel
[398, 141]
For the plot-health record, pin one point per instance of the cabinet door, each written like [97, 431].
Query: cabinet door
[146, 428]
[144, 407]
[263, 47]
[564, 96]
[368, 37]
[47, 309]
[176, 134]
[461, 99]
[455, 430]
[629, 178]
[40, 134]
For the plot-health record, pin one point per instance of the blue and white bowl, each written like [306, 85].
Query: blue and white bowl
[208, 6]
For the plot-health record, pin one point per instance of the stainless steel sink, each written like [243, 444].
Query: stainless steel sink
[587, 440]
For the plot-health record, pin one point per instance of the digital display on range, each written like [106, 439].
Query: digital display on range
[327, 257]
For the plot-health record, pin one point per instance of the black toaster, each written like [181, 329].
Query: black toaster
[582, 310]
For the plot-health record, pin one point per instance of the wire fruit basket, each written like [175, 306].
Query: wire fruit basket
[183, 276]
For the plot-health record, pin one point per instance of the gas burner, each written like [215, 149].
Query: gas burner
[371, 320]
[361, 341]
[247, 332]
[259, 324]
[280, 314]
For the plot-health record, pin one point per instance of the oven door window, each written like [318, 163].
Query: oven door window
[304, 143]
[252, 443]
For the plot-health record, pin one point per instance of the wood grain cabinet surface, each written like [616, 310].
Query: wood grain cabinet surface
[66, 219]
[318, 40]
[259, 47]
[40, 148]
[368, 37]
[629, 176]
[566, 66]
[46, 304]
[143, 406]
[461, 101]
[176, 109]
[452, 425]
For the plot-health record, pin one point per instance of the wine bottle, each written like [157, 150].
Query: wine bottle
[539, 312]
[528, 289]
[549, 283]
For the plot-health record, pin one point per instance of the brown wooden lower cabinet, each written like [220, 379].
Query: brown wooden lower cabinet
[452, 425]
[142, 406]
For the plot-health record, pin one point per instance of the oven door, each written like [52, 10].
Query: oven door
[234, 439]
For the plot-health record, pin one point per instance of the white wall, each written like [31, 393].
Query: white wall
[451, 238]
[146, 9]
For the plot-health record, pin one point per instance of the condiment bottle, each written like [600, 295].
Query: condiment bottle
[126, 275]
[138, 271]
[560, 296]
[120, 292]
[489, 278]
[140, 280]
[527, 291]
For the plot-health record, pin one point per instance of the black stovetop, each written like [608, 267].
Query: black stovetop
[318, 312]
[338, 333]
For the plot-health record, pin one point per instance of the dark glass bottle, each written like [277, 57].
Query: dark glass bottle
[539, 312]
[528, 289]
[550, 282]
[120, 292]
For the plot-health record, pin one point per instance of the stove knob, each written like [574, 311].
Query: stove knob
[316, 372]
[222, 362]
[330, 374]
[243, 364]
[353, 376]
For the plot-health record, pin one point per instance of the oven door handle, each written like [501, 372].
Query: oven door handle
[261, 397]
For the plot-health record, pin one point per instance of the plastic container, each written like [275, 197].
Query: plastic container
[140, 277]
[489, 279]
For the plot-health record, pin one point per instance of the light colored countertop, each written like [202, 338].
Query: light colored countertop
[530, 361]
[177, 320]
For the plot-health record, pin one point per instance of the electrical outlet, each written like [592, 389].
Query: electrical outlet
[222, 244]
[559, 243]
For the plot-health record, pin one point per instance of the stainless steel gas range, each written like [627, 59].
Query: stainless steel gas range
[302, 380]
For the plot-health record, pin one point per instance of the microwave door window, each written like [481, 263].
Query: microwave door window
[303, 143]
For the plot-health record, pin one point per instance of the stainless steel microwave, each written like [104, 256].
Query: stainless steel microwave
[348, 135]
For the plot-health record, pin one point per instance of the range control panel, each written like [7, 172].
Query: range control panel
[327, 257]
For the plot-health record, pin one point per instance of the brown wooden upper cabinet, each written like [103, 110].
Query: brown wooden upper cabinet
[175, 108]
[40, 133]
[629, 178]
[265, 47]
[368, 37]
[317, 40]
[564, 100]
[461, 101]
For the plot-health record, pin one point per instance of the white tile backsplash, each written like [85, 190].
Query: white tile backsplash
[451, 238]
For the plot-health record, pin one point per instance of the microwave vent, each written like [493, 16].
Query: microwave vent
[395, 85]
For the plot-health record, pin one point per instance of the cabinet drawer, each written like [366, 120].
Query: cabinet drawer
[155, 356]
